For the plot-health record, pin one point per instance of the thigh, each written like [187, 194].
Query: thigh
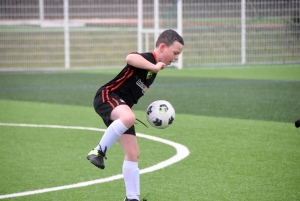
[125, 114]
[130, 147]
[113, 107]
[105, 106]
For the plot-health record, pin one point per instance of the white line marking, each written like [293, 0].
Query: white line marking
[181, 153]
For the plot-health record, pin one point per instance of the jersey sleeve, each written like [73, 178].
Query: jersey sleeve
[133, 53]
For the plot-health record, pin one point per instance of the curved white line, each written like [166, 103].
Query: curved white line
[181, 153]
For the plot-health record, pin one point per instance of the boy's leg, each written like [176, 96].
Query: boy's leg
[123, 118]
[111, 135]
[130, 165]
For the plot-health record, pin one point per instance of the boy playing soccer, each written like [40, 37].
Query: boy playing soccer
[114, 100]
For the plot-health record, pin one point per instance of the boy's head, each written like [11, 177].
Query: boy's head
[168, 46]
[168, 37]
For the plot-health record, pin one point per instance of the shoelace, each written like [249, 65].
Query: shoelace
[144, 125]
[102, 153]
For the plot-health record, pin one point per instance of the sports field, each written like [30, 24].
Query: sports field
[233, 137]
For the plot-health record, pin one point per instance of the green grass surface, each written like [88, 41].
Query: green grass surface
[238, 124]
[266, 72]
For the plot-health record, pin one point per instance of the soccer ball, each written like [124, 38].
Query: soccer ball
[160, 114]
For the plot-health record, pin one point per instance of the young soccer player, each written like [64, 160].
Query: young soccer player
[113, 102]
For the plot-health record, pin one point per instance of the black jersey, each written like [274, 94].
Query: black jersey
[131, 83]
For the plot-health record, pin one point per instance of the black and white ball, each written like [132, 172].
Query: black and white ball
[160, 114]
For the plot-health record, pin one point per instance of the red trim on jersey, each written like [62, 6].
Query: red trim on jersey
[112, 105]
[115, 85]
[116, 101]
[103, 100]
[120, 81]
[154, 55]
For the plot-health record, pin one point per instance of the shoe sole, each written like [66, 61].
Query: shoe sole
[91, 160]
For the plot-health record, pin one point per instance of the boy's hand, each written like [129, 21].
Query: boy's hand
[159, 66]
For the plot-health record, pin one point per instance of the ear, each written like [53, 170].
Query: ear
[162, 47]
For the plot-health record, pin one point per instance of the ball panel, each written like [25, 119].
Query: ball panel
[160, 114]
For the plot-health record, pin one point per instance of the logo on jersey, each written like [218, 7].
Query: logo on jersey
[141, 85]
[149, 74]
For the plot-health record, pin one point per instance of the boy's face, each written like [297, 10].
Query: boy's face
[170, 54]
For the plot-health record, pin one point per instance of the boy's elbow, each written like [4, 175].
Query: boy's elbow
[130, 58]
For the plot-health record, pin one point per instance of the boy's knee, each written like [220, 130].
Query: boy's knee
[132, 157]
[128, 120]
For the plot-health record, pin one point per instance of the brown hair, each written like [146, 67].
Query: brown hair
[168, 37]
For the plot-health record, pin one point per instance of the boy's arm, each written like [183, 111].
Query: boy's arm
[138, 61]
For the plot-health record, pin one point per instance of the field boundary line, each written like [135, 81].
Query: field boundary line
[181, 153]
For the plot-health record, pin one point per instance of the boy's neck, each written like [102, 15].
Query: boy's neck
[155, 55]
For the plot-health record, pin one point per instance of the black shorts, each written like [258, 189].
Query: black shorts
[104, 107]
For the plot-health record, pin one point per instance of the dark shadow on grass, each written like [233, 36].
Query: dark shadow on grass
[245, 99]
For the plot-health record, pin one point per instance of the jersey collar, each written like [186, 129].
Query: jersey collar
[154, 55]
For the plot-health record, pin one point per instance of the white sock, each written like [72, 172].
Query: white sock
[111, 135]
[131, 175]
